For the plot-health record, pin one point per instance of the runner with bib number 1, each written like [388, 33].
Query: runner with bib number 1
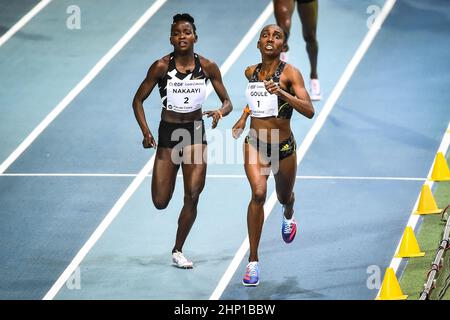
[274, 90]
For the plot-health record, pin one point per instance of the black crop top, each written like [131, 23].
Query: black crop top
[173, 73]
[284, 108]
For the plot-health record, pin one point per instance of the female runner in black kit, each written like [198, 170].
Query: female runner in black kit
[281, 90]
[181, 77]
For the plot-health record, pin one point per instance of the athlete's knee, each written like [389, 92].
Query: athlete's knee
[310, 37]
[259, 195]
[286, 26]
[160, 203]
[192, 196]
[286, 198]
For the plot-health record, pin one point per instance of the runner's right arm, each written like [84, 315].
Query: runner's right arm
[154, 74]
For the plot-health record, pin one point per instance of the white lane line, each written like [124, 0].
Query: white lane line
[370, 36]
[23, 21]
[81, 85]
[81, 175]
[98, 232]
[218, 176]
[359, 178]
[414, 218]
[141, 176]
[252, 32]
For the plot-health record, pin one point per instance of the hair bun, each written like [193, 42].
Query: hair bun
[183, 17]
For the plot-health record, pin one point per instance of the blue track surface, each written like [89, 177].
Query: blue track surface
[11, 12]
[388, 122]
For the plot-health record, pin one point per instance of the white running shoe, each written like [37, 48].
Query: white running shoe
[251, 277]
[284, 56]
[180, 261]
[314, 86]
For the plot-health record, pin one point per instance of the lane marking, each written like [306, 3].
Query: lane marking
[147, 168]
[80, 175]
[252, 32]
[414, 218]
[359, 178]
[81, 85]
[98, 232]
[338, 89]
[213, 176]
[23, 21]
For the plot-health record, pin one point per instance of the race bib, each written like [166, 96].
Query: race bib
[260, 101]
[185, 96]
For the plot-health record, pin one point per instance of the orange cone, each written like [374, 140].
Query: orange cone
[390, 288]
[427, 204]
[409, 247]
[440, 170]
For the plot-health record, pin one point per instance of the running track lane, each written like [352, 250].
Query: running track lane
[389, 123]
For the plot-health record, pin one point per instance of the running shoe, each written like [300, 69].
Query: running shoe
[314, 87]
[180, 261]
[288, 229]
[251, 277]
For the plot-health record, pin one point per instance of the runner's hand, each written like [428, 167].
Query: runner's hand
[216, 115]
[149, 141]
[272, 87]
[238, 128]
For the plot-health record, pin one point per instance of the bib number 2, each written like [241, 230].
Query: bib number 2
[185, 96]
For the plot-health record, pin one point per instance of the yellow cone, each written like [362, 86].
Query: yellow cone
[390, 288]
[427, 205]
[409, 247]
[440, 170]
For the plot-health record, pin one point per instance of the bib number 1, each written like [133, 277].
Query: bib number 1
[260, 101]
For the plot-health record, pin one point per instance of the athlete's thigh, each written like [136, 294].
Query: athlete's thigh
[256, 168]
[308, 13]
[164, 174]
